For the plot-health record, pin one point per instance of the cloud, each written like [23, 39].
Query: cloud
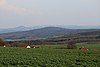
[2, 3]
[16, 10]
[19, 10]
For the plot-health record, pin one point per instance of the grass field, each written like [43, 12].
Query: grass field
[50, 56]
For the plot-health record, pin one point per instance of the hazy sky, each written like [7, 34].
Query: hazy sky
[15, 13]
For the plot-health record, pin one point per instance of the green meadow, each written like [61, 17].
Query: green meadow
[50, 56]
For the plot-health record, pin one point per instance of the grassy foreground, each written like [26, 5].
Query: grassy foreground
[50, 56]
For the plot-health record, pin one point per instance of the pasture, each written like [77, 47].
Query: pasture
[50, 56]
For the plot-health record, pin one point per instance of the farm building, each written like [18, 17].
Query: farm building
[28, 46]
[4, 46]
[83, 49]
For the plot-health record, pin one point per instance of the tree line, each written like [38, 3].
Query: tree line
[69, 41]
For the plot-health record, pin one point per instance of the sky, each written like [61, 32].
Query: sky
[15, 13]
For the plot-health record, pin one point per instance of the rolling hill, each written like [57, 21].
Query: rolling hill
[23, 28]
[42, 33]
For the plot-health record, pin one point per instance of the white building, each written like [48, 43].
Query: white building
[4, 46]
[28, 46]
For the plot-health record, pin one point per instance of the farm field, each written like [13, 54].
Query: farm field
[50, 56]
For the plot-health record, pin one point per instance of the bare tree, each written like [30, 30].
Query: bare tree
[2, 43]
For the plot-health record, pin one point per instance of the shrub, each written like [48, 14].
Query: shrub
[71, 44]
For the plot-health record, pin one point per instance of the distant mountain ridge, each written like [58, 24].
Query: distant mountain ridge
[42, 33]
[23, 28]
[20, 28]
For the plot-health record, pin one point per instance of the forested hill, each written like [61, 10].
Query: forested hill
[42, 33]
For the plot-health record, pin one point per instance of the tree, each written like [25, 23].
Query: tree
[71, 44]
[2, 42]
